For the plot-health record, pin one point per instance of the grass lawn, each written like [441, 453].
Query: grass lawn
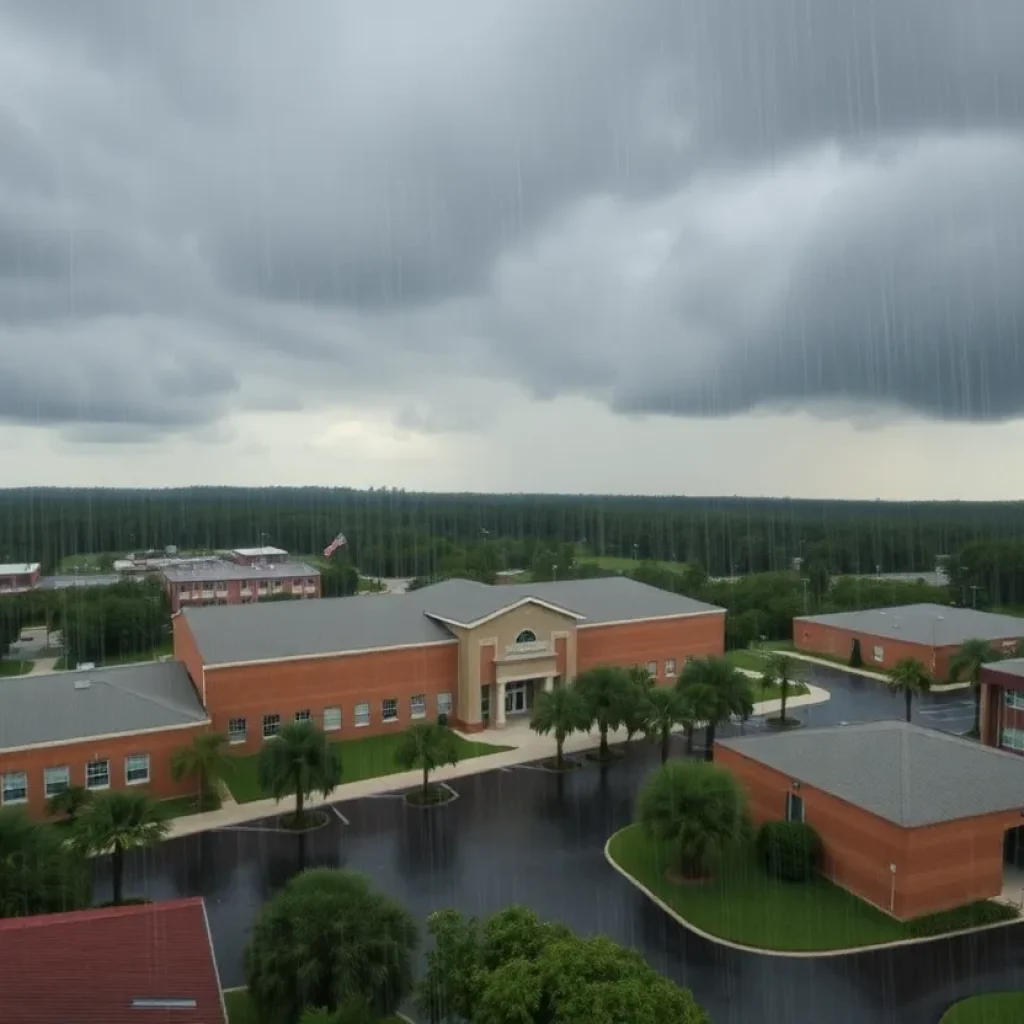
[994, 1008]
[744, 905]
[368, 758]
[15, 668]
[240, 1010]
[179, 806]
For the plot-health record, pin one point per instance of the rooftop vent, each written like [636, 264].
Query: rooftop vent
[163, 1004]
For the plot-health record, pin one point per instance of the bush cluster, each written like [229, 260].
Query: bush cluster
[971, 915]
[789, 850]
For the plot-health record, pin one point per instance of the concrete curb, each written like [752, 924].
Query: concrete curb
[795, 954]
[866, 673]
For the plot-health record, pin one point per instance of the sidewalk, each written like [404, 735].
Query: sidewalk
[867, 673]
[525, 743]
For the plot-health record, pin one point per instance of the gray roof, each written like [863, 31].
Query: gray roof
[48, 708]
[1007, 667]
[943, 625]
[68, 582]
[259, 632]
[900, 772]
[223, 571]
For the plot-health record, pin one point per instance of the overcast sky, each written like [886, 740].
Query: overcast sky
[688, 246]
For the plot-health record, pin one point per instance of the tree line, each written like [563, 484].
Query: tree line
[399, 533]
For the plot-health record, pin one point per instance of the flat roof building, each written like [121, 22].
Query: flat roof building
[475, 652]
[219, 581]
[1001, 718]
[19, 577]
[912, 820]
[930, 633]
[113, 965]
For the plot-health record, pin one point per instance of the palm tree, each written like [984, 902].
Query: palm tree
[68, 803]
[208, 761]
[782, 671]
[561, 711]
[968, 661]
[117, 821]
[909, 677]
[665, 710]
[725, 691]
[635, 709]
[299, 760]
[607, 692]
[427, 745]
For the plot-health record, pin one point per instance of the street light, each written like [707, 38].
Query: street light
[804, 580]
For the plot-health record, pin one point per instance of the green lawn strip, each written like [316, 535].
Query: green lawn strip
[993, 1008]
[742, 904]
[15, 668]
[180, 806]
[368, 758]
[241, 1011]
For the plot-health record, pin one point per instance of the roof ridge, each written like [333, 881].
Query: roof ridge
[95, 913]
[149, 698]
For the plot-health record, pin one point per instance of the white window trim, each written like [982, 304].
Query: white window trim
[263, 727]
[356, 715]
[383, 714]
[105, 785]
[670, 668]
[447, 710]
[652, 669]
[879, 654]
[307, 712]
[136, 782]
[413, 713]
[66, 769]
[234, 739]
[332, 728]
[3, 789]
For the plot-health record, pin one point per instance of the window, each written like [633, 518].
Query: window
[670, 667]
[136, 769]
[652, 669]
[303, 716]
[15, 788]
[97, 775]
[879, 654]
[1013, 739]
[236, 730]
[1013, 699]
[362, 715]
[389, 709]
[332, 719]
[444, 703]
[418, 706]
[56, 780]
[527, 637]
[794, 807]
[271, 724]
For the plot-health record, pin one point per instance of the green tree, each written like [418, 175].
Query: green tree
[725, 692]
[325, 940]
[39, 872]
[635, 708]
[698, 704]
[607, 692]
[697, 809]
[967, 663]
[908, 676]
[299, 761]
[205, 759]
[561, 711]
[516, 969]
[68, 803]
[427, 746]
[665, 710]
[781, 671]
[116, 821]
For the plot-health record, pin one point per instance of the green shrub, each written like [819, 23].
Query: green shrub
[970, 915]
[789, 850]
[856, 660]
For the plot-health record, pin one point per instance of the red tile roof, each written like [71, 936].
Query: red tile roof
[87, 967]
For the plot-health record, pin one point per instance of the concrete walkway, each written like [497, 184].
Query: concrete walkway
[867, 673]
[525, 746]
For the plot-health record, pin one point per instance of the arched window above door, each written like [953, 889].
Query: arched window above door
[526, 637]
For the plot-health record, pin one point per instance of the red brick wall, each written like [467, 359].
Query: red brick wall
[637, 643]
[186, 651]
[937, 866]
[284, 687]
[234, 590]
[159, 745]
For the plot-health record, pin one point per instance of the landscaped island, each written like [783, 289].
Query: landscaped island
[994, 1008]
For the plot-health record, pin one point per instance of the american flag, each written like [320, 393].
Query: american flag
[338, 542]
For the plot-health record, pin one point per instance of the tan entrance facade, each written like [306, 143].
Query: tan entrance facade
[509, 657]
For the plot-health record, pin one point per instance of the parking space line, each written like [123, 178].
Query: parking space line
[341, 817]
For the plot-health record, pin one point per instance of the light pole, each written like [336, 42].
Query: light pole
[804, 580]
[892, 889]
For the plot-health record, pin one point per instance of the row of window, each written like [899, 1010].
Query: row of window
[1013, 699]
[670, 668]
[331, 718]
[14, 785]
[1013, 739]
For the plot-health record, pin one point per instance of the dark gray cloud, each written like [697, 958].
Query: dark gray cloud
[674, 206]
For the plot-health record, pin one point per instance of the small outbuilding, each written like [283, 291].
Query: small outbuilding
[912, 820]
[929, 633]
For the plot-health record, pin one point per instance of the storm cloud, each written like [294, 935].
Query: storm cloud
[677, 207]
